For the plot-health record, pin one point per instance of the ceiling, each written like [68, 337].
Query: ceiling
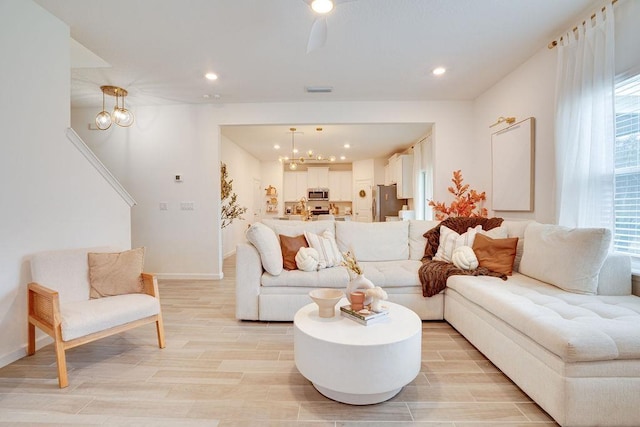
[366, 140]
[376, 50]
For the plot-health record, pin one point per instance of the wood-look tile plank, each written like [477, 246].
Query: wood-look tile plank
[452, 411]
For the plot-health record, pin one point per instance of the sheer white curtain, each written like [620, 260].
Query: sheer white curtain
[585, 124]
[418, 181]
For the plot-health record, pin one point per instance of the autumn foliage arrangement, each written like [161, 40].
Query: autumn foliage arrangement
[467, 202]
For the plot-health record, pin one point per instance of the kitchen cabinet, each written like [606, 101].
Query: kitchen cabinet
[404, 176]
[317, 177]
[400, 171]
[294, 186]
[340, 186]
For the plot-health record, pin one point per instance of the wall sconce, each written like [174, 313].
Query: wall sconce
[501, 119]
[120, 115]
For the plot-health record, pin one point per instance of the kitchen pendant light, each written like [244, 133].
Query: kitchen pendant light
[292, 164]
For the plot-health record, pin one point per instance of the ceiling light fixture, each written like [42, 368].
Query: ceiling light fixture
[120, 115]
[439, 71]
[347, 145]
[292, 164]
[322, 6]
[211, 76]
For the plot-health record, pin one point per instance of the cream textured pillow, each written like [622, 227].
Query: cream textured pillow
[325, 244]
[115, 273]
[450, 240]
[569, 258]
[464, 258]
[267, 244]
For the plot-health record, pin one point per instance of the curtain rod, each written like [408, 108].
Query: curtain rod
[554, 43]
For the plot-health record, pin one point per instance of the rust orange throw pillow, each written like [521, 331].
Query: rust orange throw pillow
[290, 247]
[495, 254]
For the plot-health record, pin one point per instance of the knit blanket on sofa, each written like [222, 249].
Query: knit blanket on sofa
[434, 274]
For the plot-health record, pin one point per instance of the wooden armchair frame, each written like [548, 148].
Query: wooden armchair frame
[44, 312]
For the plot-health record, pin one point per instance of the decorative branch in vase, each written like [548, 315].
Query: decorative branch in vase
[359, 282]
[467, 202]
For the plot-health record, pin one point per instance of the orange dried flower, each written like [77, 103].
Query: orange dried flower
[467, 202]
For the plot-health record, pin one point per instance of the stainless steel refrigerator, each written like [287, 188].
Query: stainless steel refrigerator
[386, 202]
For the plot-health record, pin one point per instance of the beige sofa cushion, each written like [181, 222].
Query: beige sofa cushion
[268, 245]
[417, 241]
[577, 328]
[374, 241]
[569, 258]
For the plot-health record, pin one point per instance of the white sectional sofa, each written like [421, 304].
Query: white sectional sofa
[576, 354]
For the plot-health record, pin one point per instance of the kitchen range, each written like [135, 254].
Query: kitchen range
[318, 201]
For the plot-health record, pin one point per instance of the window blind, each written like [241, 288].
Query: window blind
[627, 167]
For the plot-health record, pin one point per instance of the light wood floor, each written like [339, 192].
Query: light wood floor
[216, 371]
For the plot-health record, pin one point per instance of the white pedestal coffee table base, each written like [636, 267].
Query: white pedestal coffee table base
[356, 364]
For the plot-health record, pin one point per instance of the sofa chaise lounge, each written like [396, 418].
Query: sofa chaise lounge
[576, 353]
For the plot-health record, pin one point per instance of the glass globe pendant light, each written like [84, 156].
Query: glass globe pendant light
[103, 119]
[120, 115]
[292, 164]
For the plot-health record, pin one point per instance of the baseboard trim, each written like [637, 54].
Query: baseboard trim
[21, 352]
[188, 276]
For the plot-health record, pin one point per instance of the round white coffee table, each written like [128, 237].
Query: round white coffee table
[358, 364]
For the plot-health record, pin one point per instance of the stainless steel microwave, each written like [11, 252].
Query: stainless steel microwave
[317, 194]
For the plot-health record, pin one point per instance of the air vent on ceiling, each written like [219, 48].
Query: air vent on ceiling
[318, 89]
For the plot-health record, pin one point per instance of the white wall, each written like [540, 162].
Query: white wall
[169, 139]
[243, 169]
[163, 142]
[529, 91]
[52, 198]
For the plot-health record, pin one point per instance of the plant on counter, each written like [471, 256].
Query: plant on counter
[229, 200]
[466, 203]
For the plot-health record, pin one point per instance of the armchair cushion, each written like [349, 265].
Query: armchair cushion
[116, 273]
[82, 318]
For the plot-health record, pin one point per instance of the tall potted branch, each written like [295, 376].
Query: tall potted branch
[228, 199]
[467, 202]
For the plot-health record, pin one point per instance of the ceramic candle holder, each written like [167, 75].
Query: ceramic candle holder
[357, 301]
[326, 300]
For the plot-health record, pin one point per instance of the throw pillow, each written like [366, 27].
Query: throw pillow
[266, 242]
[325, 244]
[569, 258]
[450, 240]
[496, 254]
[307, 259]
[464, 258]
[115, 273]
[290, 247]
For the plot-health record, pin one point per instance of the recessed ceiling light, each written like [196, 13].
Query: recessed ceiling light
[211, 76]
[322, 6]
[439, 71]
[347, 145]
[343, 157]
[277, 147]
[295, 150]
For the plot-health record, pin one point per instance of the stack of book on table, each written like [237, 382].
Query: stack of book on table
[364, 317]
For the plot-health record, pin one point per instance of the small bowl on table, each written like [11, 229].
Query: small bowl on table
[326, 299]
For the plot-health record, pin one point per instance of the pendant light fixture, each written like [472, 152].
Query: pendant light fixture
[292, 163]
[120, 115]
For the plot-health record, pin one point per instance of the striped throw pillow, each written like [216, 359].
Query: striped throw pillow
[325, 244]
